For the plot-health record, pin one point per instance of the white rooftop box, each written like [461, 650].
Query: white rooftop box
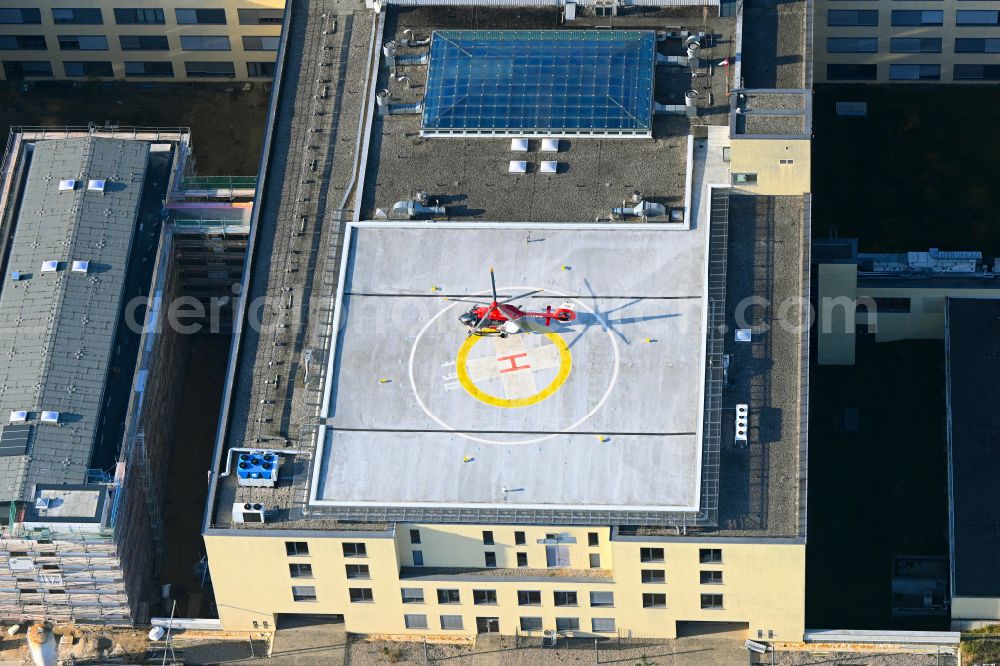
[550, 145]
[50, 266]
[18, 416]
[519, 145]
[67, 185]
[95, 185]
[81, 266]
[50, 417]
[517, 166]
[549, 167]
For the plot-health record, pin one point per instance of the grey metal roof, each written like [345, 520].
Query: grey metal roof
[57, 328]
[972, 364]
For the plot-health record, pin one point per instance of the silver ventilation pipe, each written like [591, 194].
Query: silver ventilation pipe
[688, 108]
[639, 207]
[389, 51]
[386, 109]
[409, 40]
[418, 206]
[413, 59]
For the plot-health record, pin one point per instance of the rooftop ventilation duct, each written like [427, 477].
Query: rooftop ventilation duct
[688, 108]
[418, 206]
[408, 39]
[639, 207]
[386, 109]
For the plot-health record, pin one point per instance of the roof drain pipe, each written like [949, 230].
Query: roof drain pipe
[688, 108]
[386, 109]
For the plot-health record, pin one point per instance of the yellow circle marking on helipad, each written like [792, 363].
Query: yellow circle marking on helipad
[565, 365]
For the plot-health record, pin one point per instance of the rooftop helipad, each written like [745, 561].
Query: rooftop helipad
[601, 412]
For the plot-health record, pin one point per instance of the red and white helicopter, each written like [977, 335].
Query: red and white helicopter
[501, 318]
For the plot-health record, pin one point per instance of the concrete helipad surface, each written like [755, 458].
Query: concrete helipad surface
[601, 412]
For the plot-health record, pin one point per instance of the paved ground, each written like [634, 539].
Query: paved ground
[305, 642]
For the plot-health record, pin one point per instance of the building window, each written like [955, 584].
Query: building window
[414, 536]
[654, 576]
[26, 16]
[977, 17]
[259, 16]
[522, 559]
[890, 305]
[22, 43]
[360, 595]
[531, 624]
[603, 625]
[296, 570]
[355, 550]
[915, 45]
[303, 593]
[83, 42]
[744, 179]
[201, 16]
[595, 560]
[602, 599]
[852, 45]
[415, 621]
[77, 16]
[529, 598]
[89, 68]
[358, 571]
[260, 69]
[484, 597]
[205, 43]
[16, 69]
[144, 43]
[985, 45]
[851, 72]
[556, 557]
[296, 548]
[139, 16]
[260, 43]
[710, 555]
[593, 539]
[487, 538]
[564, 598]
[976, 73]
[567, 624]
[711, 577]
[491, 559]
[448, 597]
[654, 600]
[224, 70]
[412, 595]
[857, 17]
[711, 601]
[418, 558]
[148, 68]
[917, 17]
[650, 554]
[519, 539]
[915, 72]
[451, 622]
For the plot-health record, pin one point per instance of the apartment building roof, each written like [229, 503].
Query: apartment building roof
[59, 305]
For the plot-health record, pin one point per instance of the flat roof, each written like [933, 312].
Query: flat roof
[540, 82]
[57, 327]
[604, 412]
[972, 362]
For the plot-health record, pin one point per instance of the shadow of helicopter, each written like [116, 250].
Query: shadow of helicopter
[602, 318]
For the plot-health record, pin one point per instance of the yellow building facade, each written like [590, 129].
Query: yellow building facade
[140, 40]
[578, 581]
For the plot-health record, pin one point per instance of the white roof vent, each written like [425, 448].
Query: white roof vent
[50, 417]
[549, 167]
[517, 166]
[96, 185]
[550, 145]
[519, 145]
[42, 503]
[50, 266]
[743, 335]
[15, 276]
[18, 416]
[67, 185]
[81, 266]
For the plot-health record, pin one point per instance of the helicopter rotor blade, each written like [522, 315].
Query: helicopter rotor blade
[520, 296]
[493, 284]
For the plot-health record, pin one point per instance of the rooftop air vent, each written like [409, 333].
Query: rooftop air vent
[259, 468]
[550, 145]
[42, 503]
[67, 185]
[16, 275]
[96, 185]
[517, 166]
[81, 266]
[50, 266]
[742, 414]
[519, 145]
[549, 167]
[248, 513]
[50, 417]
[18, 416]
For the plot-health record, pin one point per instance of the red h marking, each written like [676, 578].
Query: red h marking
[513, 363]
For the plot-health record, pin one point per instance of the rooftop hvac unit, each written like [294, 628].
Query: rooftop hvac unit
[248, 513]
[549, 638]
[742, 423]
[258, 468]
